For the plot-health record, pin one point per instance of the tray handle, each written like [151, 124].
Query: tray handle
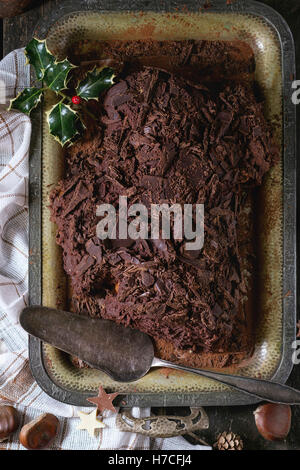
[163, 426]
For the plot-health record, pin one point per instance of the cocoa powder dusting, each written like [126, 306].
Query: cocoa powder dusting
[164, 138]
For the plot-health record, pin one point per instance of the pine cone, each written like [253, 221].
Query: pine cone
[229, 441]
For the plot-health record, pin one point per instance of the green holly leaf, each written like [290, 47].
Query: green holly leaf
[26, 100]
[56, 75]
[64, 123]
[95, 82]
[39, 56]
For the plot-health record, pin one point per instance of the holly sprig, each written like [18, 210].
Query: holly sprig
[65, 117]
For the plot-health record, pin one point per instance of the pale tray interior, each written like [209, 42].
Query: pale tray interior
[163, 26]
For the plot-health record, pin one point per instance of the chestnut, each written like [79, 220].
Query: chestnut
[40, 432]
[8, 421]
[273, 421]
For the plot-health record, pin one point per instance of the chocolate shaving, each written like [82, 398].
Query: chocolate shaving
[164, 140]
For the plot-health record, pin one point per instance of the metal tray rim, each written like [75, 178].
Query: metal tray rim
[289, 203]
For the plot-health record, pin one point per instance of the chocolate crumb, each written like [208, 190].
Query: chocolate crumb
[162, 138]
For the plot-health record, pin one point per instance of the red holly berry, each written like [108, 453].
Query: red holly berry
[76, 99]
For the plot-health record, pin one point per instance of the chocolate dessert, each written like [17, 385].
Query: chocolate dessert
[163, 138]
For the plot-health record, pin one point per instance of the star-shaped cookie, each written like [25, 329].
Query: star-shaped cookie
[89, 422]
[104, 400]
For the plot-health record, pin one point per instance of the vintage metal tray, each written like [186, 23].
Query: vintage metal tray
[270, 38]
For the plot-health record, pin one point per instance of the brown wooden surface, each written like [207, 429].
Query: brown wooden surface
[15, 33]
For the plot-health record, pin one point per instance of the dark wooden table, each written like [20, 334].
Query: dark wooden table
[15, 33]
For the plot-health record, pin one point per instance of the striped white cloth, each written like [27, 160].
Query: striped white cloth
[17, 386]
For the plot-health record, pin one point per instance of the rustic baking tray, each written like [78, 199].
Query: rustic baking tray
[271, 40]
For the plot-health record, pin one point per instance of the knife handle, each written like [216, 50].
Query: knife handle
[262, 389]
